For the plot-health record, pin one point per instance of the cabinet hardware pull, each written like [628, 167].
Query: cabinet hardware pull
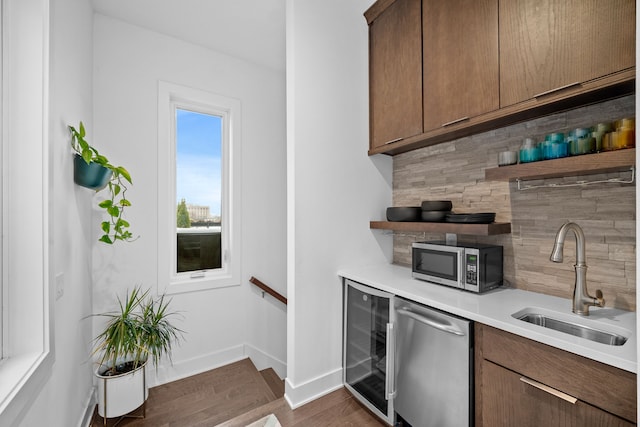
[558, 89]
[393, 140]
[549, 390]
[453, 122]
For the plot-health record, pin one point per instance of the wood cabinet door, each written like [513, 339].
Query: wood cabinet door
[509, 401]
[460, 60]
[552, 44]
[395, 73]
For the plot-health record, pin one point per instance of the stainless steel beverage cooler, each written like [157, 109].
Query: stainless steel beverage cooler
[368, 348]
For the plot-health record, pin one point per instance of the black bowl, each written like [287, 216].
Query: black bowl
[404, 214]
[437, 205]
[434, 216]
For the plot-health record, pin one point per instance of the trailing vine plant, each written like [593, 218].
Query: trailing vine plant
[116, 227]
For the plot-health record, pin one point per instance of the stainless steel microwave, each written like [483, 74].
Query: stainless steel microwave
[470, 266]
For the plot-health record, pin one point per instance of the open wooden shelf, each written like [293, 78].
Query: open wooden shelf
[608, 161]
[444, 227]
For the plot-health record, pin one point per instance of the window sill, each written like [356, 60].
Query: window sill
[185, 285]
[21, 378]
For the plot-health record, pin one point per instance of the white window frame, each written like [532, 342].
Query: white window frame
[27, 305]
[170, 98]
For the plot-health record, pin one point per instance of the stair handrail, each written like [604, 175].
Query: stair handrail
[269, 290]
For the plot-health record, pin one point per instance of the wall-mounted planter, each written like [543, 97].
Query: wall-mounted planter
[92, 175]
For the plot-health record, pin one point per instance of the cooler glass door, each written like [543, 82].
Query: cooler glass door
[368, 348]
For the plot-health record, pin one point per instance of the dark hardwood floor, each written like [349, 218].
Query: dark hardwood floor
[236, 395]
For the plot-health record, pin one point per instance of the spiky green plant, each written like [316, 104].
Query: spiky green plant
[116, 228]
[157, 333]
[139, 330]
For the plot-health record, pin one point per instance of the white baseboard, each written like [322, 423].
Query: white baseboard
[263, 361]
[197, 365]
[297, 395]
[90, 404]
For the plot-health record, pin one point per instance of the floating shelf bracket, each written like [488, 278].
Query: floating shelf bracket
[631, 180]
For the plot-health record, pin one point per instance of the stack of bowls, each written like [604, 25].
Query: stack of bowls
[581, 142]
[554, 146]
[530, 152]
[436, 210]
[404, 214]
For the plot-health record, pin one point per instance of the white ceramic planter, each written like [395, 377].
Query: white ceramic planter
[120, 394]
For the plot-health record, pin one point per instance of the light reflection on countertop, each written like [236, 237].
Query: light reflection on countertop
[495, 308]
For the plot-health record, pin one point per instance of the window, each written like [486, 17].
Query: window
[199, 182]
[198, 141]
[27, 354]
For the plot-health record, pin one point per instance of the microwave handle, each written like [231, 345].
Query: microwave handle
[451, 329]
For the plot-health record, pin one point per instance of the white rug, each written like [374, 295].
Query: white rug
[268, 421]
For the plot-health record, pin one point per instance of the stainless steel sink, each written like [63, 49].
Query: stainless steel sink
[567, 327]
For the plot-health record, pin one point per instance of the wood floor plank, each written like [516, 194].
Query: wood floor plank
[273, 380]
[275, 407]
[236, 395]
[334, 409]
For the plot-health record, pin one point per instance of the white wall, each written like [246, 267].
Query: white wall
[334, 189]
[223, 324]
[65, 396]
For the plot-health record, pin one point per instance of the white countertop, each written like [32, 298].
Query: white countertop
[494, 308]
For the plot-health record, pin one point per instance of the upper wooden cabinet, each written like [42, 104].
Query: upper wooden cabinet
[460, 60]
[441, 70]
[552, 45]
[395, 71]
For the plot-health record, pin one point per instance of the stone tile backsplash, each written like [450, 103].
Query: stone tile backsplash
[606, 212]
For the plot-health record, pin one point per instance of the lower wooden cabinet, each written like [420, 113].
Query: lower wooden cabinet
[509, 399]
[519, 382]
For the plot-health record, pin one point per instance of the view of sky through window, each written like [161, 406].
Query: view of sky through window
[199, 159]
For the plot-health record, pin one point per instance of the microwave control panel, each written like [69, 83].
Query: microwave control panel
[471, 268]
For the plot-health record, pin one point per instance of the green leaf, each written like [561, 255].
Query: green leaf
[116, 190]
[106, 226]
[82, 130]
[124, 173]
[86, 155]
[125, 202]
[105, 204]
[84, 145]
[106, 239]
[113, 211]
[99, 158]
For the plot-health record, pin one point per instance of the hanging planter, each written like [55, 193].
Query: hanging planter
[93, 170]
[90, 175]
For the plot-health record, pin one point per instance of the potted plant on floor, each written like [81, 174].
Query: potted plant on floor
[93, 170]
[138, 331]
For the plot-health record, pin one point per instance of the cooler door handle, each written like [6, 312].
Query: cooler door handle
[390, 380]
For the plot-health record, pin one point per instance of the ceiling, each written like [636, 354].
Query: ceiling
[253, 30]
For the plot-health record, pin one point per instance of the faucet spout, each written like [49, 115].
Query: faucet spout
[581, 298]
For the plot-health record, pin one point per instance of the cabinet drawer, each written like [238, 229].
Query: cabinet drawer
[509, 400]
[596, 383]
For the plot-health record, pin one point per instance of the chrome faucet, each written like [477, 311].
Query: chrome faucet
[581, 298]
